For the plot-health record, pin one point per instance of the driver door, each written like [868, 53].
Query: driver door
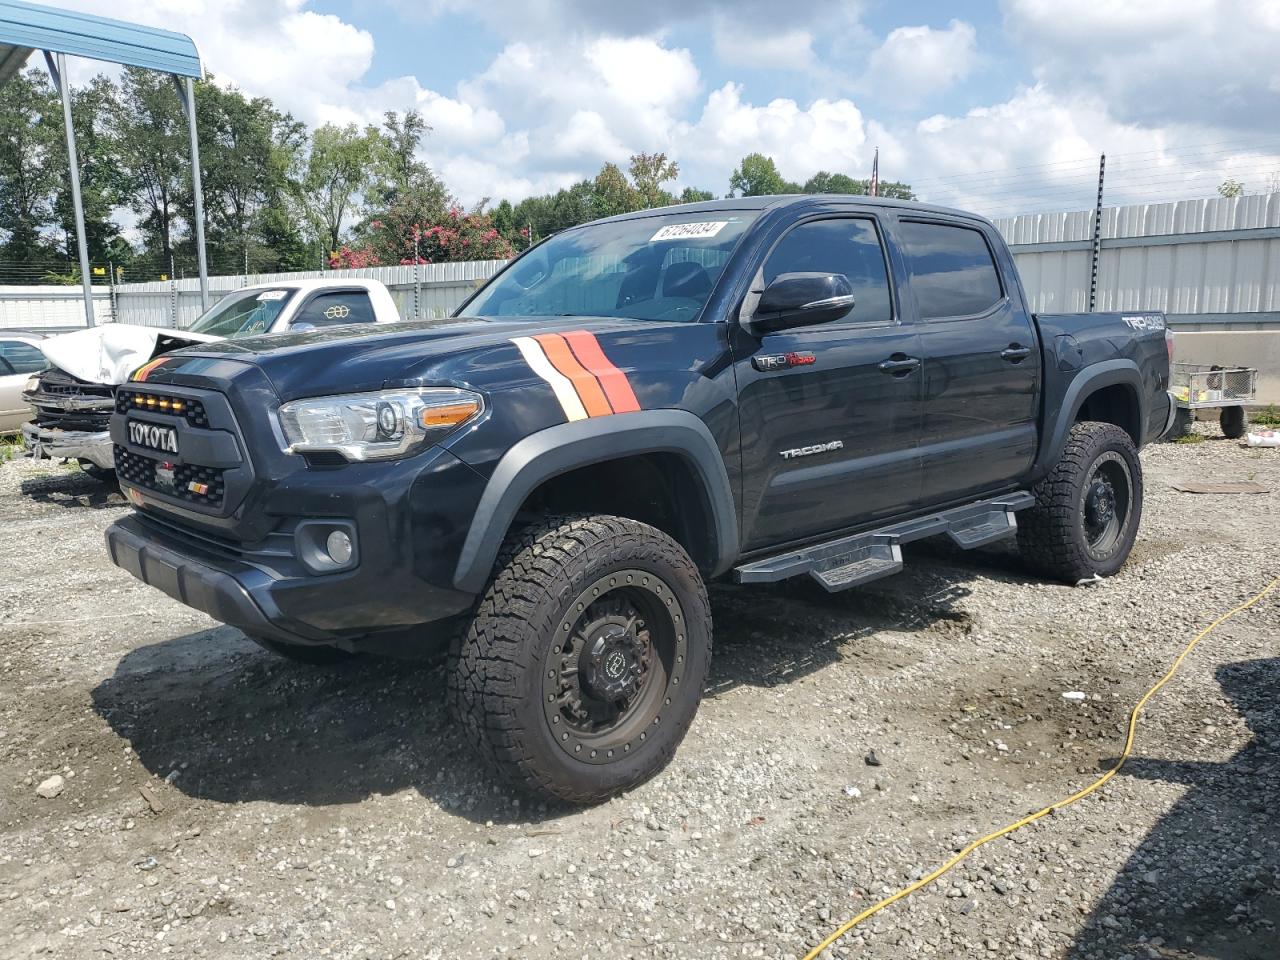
[830, 436]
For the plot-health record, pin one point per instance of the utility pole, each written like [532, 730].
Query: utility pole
[417, 279]
[1097, 236]
[173, 292]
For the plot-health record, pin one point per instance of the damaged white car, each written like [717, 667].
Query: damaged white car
[74, 398]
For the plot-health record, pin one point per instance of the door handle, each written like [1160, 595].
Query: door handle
[899, 364]
[1015, 353]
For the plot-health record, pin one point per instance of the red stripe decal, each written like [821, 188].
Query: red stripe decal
[616, 385]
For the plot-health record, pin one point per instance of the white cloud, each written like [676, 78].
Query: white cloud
[828, 134]
[915, 63]
[580, 82]
[745, 45]
[1210, 62]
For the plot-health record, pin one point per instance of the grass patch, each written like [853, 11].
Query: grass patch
[1266, 416]
[10, 447]
[1190, 438]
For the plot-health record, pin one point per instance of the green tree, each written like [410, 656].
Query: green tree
[758, 176]
[149, 133]
[29, 145]
[247, 149]
[649, 171]
[694, 195]
[611, 194]
[1231, 188]
[824, 182]
[103, 188]
[335, 175]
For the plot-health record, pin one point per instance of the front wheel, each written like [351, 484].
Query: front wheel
[584, 664]
[1087, 509]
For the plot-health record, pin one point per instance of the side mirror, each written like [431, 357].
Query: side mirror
[302, 326]
[800, 299]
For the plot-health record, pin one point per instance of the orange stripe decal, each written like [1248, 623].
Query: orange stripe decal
[587, 387]
[142, 372]
[616, 385]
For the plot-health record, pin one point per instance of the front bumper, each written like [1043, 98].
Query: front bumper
[51, 443]
[223, 589]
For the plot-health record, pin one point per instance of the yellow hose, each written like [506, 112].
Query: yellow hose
[871, 911]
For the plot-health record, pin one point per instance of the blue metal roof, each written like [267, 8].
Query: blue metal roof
[25, 27]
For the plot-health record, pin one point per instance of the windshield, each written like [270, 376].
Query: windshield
[243, 314]
[649, 268]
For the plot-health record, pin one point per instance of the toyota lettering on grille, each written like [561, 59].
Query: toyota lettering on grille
[153, 436]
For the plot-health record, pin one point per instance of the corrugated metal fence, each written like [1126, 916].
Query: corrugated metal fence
[1210, 264]
[431, 290]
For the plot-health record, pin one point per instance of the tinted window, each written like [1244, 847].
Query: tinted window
[849, 246]
[335, 309]
[22, 357]
[952, 273]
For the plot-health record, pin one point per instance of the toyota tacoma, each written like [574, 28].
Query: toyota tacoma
[748, 389]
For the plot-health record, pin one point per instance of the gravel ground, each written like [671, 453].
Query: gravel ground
[216, 801]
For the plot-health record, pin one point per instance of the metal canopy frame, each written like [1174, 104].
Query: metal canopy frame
[28, 27]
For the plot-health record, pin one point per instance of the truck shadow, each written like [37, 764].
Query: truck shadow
[71, 489]
[238, 724]
[1204, 882]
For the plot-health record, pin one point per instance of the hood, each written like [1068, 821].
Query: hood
[108, 354]
[349, 359]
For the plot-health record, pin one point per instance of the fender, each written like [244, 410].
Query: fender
[1094, 377]
[559, 449]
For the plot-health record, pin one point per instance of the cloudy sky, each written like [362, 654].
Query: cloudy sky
[998, 106]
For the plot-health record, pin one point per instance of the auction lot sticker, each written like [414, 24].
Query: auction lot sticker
[689, 231]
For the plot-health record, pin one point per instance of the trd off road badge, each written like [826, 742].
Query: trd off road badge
[782, 361]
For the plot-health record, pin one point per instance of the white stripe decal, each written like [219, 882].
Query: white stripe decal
[531, 350]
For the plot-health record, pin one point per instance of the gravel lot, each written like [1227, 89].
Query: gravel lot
[219, 802]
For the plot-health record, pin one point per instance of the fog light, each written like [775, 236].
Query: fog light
[338, 545]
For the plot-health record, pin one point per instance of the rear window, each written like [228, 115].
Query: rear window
[952, 271]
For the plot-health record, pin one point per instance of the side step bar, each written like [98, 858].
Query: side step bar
[863, 557]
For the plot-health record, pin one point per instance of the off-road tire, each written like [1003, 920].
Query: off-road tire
[316, 655]
[1051, 534]
[1234, 422]
[498, 664]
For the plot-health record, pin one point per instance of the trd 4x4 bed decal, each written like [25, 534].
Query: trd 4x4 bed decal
[583, 379]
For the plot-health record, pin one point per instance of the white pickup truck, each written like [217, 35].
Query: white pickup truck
[74, 399]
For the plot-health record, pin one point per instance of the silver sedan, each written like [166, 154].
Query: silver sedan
[20, 357]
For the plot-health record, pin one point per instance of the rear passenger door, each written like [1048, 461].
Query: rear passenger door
[981, 362]
[830, 412]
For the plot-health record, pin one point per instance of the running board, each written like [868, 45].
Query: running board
[863, 557]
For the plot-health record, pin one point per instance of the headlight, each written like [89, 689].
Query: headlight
[33, 384]
[377, 426]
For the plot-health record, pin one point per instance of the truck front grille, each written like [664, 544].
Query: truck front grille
[192, 410]
[185, 481]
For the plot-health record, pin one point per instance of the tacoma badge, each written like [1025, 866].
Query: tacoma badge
[810, 450]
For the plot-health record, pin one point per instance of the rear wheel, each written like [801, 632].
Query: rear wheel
[316, 655]
[1087, 509]
[583, 666]
[1233, 422]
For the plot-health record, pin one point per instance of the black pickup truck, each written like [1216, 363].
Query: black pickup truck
[751, 389]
